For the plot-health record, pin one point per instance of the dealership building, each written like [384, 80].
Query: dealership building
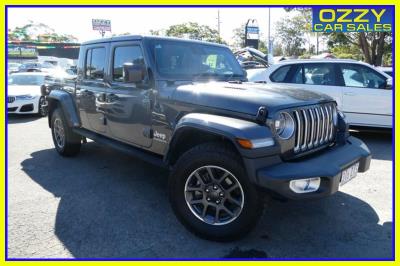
[57, 53]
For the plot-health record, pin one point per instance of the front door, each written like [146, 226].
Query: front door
[91, 89]
[366, 100]
[128, 101]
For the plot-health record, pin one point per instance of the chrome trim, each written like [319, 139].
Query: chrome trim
[327, 123]
[297, 141]
[315, 126]
[318, 126]
[323, 126]
[304, 141]
[310, 143]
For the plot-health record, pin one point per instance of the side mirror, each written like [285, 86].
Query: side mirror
[134, 73]
[389, 84]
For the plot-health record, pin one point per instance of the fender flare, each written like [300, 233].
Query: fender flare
[227, 127]
[66, 103]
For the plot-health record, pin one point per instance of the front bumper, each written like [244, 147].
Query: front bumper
[328, 165]
[29, 106]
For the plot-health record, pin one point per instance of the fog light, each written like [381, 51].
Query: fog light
[306, 185]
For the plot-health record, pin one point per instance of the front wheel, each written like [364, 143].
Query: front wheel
[211, 194]
[42, 107]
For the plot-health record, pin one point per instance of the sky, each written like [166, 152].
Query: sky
[77, 21]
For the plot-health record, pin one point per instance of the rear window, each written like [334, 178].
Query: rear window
[280, 74]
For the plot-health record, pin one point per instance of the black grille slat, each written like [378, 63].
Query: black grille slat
[314, 127]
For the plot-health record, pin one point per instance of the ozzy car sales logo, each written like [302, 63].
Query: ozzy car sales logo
[348, 19]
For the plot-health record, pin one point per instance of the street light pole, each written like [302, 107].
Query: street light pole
[219, 26]
[269, 31]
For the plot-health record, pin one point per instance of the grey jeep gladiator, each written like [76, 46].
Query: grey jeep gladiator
[186, 105]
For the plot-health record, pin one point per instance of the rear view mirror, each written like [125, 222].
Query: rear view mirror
[134, 73]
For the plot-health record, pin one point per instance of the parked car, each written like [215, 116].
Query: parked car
[361, 91]
[36, 67]
[185, 105]
[387, 70]
[12, 67]
[250, 58]
[24, 93]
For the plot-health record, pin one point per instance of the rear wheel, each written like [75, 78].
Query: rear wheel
[211, 194]
[66, 142]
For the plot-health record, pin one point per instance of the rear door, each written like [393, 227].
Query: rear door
[91, 87]
[366, 100]
[317, 77]
[128, 103]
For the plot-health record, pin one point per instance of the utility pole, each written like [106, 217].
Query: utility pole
[219, 25]
[317, 44]
[269, 31]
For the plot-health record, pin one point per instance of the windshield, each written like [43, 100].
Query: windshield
[188, 60]
[26, 80]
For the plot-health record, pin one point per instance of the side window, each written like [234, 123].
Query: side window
[126, 57]
[95, 63]
[361, 76]
[298, 75]
[319, 74]
[280, 74]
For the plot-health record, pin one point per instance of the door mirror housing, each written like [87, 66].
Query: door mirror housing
[134, 73]
[389, 84]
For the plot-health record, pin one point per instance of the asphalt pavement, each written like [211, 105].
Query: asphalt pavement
[105, 204]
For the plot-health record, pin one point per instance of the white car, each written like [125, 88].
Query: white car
[387, 70]
[24, 93]
[361, 91]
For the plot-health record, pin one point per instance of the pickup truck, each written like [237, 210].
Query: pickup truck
[187, 106]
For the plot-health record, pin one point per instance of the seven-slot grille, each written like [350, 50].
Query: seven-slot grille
[11, 99]
[314, 127]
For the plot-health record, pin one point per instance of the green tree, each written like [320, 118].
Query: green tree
[290, 33]
[239, 36]
[278, 49]
[372, 45]
[191, 30]
[38, 32]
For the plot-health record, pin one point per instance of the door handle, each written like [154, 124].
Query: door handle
[349, 93]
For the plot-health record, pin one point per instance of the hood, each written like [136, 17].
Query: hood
[15, 90]
[247, 97]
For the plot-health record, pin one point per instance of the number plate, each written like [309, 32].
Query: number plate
[349, 174]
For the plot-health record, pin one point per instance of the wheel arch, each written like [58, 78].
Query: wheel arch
[63, 100]
[196, 128]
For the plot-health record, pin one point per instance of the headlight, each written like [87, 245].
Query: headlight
[284, 125]
[25, 97]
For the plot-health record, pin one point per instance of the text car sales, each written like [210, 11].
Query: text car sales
[352, 27]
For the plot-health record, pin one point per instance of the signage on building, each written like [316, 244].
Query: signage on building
[22, 52]
[252, 34]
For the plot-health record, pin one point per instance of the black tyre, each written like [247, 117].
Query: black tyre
[42, 107]
[66, 142]
[211, 194]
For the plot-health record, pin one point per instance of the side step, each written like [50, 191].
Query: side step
[128, 149]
